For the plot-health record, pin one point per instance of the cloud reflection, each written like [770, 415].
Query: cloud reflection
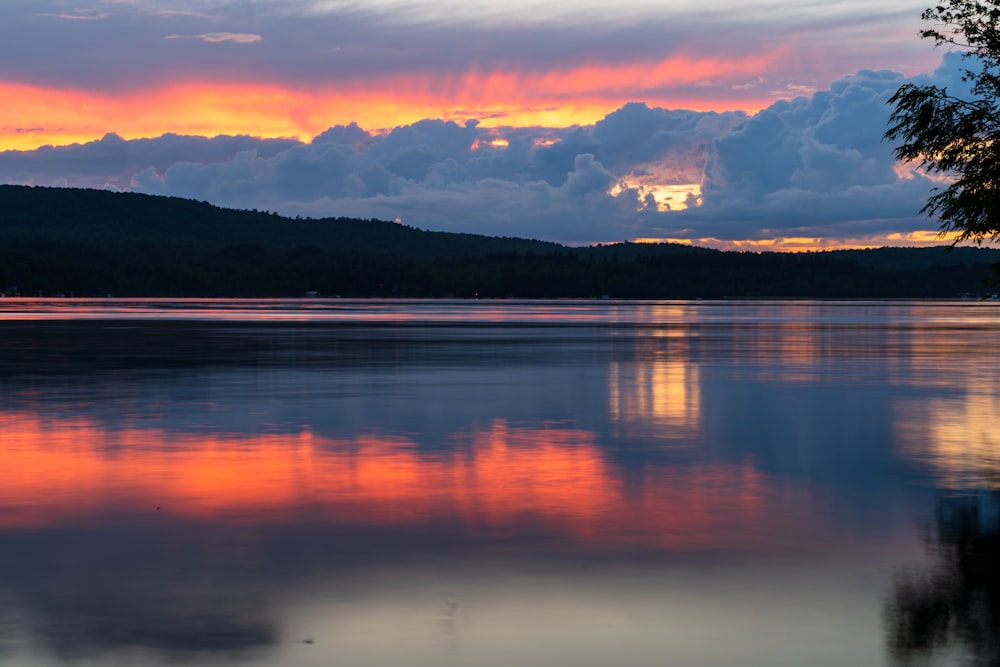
[502, 480]
[660, 398]
[955, 437]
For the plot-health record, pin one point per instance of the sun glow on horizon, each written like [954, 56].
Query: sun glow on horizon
[794, 244]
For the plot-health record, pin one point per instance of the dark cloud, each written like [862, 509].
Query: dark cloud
[113, 160]
[637, 134]
[432, 174]
[813, 166]
[826, 142]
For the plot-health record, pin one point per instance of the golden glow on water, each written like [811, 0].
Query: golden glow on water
[658, 394]
[957, 439]
[795, 345]
[766, 528]
[59, 470]
[661, 397]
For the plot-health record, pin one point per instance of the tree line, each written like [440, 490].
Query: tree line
[90, 243]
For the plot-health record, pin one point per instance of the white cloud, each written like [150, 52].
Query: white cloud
[82, 15]
[217, 37]
[174, 13]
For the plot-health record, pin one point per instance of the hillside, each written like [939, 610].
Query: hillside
[71, 214]
[91, 242]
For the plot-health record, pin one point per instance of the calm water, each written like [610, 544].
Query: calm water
[491, 483]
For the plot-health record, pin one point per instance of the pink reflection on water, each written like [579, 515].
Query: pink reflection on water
[495, 481]
[597, 311]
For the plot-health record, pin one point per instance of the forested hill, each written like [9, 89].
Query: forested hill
[114, 218]
[91, 242]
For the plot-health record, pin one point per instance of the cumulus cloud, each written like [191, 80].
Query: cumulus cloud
[814, 166]
[114, 160]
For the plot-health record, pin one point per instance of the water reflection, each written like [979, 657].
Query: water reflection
[658, 389]
[476, 483]
[549, 483]
[116, 594]
[952, 608]
[955, 437]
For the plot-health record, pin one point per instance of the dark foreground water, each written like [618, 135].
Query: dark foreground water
[498, 483]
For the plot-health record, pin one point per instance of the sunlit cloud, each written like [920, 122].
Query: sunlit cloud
[662, 197]
[730, 125]
[804, 174]
[487, 143]
[923, 238]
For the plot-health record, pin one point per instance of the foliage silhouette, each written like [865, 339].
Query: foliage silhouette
[957, 135]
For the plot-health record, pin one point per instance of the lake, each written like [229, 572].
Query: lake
[497, 483]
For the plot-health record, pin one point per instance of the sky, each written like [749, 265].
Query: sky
[724, 123]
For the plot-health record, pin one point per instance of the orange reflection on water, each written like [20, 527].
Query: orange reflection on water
[59, 470]
[56, 469]
[957, 438]
[661, 391]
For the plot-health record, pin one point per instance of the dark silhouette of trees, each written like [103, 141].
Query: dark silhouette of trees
[955, 135]
[90, 242]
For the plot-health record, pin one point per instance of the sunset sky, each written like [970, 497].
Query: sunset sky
[723, 123]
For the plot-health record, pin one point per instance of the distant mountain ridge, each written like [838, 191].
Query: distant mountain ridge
[88, 242]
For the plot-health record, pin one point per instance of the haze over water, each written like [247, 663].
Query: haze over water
[480, 483]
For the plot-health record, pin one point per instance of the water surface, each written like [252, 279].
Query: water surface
[481, 483]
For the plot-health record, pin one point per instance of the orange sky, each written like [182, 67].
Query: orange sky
[33, 115]
[72, 74]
